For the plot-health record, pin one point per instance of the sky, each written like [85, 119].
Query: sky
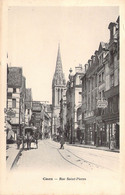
[35, 32]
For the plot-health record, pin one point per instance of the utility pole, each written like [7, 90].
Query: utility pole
[19, 116]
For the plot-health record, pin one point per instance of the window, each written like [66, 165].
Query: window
[13, 103]
[111, 57]
[28, 111]
[85, 83]
[61, 93]
[112, 80]
[14, 90]
[92, 83]
[110, 105]
[89, 102]
[96, 81]
[80, 81]
[103, 76]
[100, 78]
[92, 101]
[89, 85]
[80, 97]
[58, 96]
[99, 95]
[103, 95]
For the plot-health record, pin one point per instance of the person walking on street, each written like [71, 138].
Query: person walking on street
[18, 141]
[62, 142]
[36, 137]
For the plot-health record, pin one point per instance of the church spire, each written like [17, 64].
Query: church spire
[58, 69]
[59, 78]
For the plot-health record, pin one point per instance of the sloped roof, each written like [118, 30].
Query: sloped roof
[14, 77]
[103, 46]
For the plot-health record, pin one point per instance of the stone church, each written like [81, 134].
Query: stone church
[58, 88]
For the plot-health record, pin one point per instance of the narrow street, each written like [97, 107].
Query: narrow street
[49, 156]
[61, 86]
[71, 168]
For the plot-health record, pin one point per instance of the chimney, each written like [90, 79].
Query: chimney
[112, 28]
[89, 62]
[86, 67]
[96, 53]
[93, 58]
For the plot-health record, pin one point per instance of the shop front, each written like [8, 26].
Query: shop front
[112, 130]
[100, 132]
[90, 129]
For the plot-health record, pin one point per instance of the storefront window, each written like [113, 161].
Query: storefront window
[113, 129]
[107, 133]
[95, 80]
[110, 128]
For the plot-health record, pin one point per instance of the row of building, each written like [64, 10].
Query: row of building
[88, 105]
[21, 110]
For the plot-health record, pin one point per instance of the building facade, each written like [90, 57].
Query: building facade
[111, 114]
[28, 106]
[37, 116]
[89, 98]
[100, 93]
[58, 87]
[14, 90]
[73, 98]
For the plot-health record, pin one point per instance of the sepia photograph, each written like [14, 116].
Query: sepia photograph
[61, 93]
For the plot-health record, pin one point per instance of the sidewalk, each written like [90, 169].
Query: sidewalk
[11, 154]
[94, 147]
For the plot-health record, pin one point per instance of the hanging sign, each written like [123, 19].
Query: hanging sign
[10, 113]
[102, 103]
[88, 114]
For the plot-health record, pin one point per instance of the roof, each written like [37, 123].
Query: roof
[14, 77]
[103, 46]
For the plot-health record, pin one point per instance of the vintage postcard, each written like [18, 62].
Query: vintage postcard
[62, 90]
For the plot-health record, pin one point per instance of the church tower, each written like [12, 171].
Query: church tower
[58, 87]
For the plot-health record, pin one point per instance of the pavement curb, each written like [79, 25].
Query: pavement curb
[97, 148]
[16, 159]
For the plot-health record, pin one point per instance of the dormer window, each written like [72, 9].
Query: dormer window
[112, 28]
[14, 90]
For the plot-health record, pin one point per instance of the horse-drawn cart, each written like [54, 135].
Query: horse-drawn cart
[31, 135]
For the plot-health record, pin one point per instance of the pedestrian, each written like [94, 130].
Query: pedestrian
[18, 141]
[62, 142]
[112, 143]
[36, 137]
[80, 139]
